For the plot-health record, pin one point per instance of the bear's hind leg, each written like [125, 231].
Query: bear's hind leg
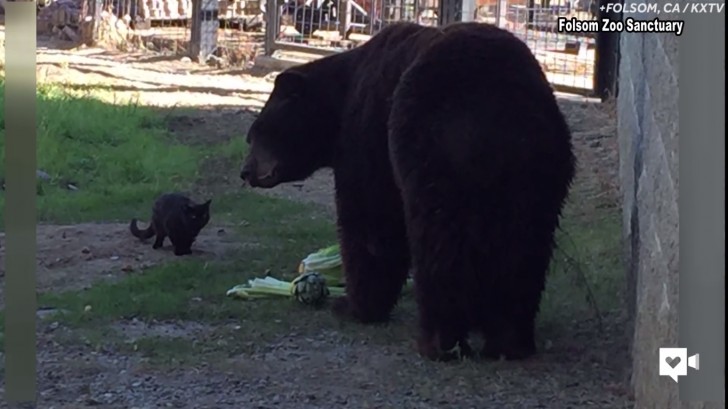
[443, 325]
[443, 288]
[511, 330]
[511, 335]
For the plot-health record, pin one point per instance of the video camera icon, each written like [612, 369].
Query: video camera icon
[674, 362]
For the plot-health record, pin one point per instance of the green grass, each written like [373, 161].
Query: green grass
[121, 156]
[165, 292]
[585, 265]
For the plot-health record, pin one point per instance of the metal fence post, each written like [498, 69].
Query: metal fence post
[501, 10]
[203, 30]
[98, 6]
[271, 26]
[606, 58]
[449, 11]
[344, 17]
[468, 10]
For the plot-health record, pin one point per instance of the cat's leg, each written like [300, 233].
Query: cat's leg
[160, 235]
[158, 241]
[182, 245]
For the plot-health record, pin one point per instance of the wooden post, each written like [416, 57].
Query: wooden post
[203, 30]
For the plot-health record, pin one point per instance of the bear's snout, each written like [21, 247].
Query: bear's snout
[246, 172]
[258, 173]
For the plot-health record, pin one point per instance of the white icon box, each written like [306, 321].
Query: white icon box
[674, 362]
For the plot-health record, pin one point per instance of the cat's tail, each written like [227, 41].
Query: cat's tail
[141, 234]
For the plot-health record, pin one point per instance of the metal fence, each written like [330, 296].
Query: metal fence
[327, 26]
[168, 26]
[569, 60]
[236, 29]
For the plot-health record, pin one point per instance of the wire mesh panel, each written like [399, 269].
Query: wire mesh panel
[165, 27]
[568, 59]
[335, 25]
[156, 25]
[328, 26]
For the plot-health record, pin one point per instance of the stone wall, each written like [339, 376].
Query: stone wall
[648, 143]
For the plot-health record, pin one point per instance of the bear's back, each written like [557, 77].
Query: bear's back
[381, 61]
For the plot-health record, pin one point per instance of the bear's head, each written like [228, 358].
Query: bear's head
[294, 133]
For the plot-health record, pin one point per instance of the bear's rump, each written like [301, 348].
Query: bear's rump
[487, 117]
[472, 142]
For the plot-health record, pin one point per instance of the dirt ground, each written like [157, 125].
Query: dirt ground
[332, 370]
[74, 257]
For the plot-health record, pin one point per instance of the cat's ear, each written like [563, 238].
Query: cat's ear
[206, 205]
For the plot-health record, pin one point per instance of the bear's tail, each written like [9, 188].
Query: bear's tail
[141, 234]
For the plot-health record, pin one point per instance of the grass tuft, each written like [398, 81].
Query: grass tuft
[117, 156]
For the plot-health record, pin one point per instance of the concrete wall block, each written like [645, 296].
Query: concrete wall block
[648, 144]
[656, 320]
[662, 85]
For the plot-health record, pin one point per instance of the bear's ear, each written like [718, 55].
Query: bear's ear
[290, 83]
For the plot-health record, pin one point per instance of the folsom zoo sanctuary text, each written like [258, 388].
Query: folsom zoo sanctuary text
[629, 25]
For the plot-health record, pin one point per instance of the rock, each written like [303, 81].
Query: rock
[42, 175]
[71, 34]
[61, 18]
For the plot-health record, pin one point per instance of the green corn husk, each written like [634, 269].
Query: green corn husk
[327, 263]
[308, 288]
[261, 288]
[321, 274]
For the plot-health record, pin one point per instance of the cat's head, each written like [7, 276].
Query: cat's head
[199, 214]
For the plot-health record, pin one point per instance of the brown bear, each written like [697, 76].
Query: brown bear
[450, 156]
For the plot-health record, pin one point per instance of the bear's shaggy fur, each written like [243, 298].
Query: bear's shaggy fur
[450, 156]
